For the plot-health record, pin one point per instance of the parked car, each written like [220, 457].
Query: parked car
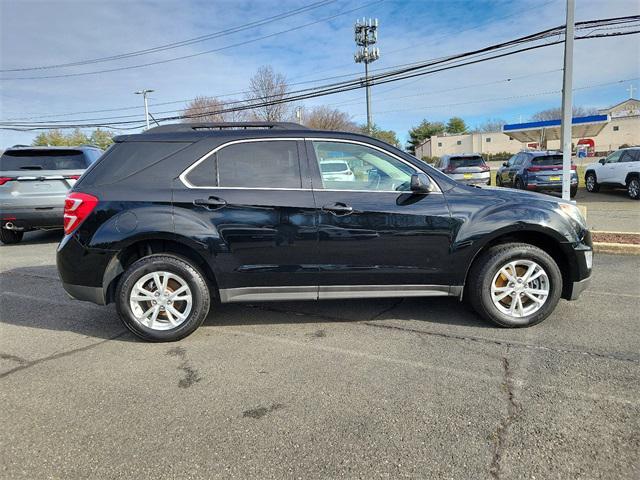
[33, 185]
[468, 168]
[538, 171]
[620, 169]
[336, 170]
[170, 218]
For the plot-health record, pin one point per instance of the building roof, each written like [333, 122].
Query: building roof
[588, 126]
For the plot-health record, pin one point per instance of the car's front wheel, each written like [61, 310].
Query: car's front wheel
[591, 182]
[162, 298]
[633, 188]
[9, 237]
[514, 285]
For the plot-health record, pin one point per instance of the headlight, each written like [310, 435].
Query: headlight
[573, 212]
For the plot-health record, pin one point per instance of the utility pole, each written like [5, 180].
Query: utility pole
[366, 34]
[630, 90]
[567, 101]
[299, 114]
[146, 105]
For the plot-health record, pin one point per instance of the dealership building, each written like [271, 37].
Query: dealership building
[596, 134]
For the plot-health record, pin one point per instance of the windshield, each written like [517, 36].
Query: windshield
[547, 160]
[42, 160]
[333, 167]
[457, 162]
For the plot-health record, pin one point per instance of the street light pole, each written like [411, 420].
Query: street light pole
[366, 34]
[146, 105]
[567, 101]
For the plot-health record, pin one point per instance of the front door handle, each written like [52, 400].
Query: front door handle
[338, 208]
[211, 203]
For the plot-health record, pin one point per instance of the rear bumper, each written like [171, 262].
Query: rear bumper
[86, 294]
[34, 217]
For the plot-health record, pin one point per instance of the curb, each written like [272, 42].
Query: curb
[616, 248]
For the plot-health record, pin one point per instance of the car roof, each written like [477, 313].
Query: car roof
[52, 148]
[542, 153]
[192, 132]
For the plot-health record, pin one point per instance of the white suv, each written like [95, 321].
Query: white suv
[620, 169]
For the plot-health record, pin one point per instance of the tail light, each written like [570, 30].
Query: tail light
[573, 167]
[72, 177]
[484, 167]
[77, 207]
[4, 180]
[449, 170]
[534, 169]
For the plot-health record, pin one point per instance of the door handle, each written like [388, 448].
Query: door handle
[211, 203]
[338, 208]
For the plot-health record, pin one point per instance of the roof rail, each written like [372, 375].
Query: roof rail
[194, 127]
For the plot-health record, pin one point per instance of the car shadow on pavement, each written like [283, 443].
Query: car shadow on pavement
[33, 297]
[38, 238]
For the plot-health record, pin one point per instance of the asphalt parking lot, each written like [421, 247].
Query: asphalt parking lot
[414, 388]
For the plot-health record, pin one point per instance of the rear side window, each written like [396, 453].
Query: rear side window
[265, 164]
[43, 160]
[456, 162]
[333, 167]
[128, 158]
[547, 160]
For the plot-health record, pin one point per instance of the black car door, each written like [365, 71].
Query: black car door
[511, 170]
[375, 235]
[250, 202]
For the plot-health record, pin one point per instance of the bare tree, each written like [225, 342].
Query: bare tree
[269, 86]
[209, 109]
[556, 113]
[325, 118]
[491, 125]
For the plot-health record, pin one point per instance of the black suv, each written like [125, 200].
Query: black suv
[167, 220]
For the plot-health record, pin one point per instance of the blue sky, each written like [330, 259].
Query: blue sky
[50, 32]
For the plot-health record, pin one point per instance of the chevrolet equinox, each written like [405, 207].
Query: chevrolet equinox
[168, 221]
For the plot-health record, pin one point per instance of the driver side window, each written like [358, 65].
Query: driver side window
[351, 166]
[614, 157]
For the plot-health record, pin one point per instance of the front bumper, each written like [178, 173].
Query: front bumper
[578, 287]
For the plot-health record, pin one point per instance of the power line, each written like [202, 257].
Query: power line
[183, 57]
[351, 85]
[182, 43]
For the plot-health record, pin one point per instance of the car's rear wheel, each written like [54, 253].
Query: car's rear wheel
[519, 184]
[498, 181]
[591, 182]
[633, 188]
[514, 285]
[573, 192]
[9, 237]
[162, 298]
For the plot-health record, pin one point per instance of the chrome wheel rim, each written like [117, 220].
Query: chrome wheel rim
[590, 182]
[161, 300]
[520, 288]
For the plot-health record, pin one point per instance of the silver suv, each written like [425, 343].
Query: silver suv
[469, 168]
[33, 184]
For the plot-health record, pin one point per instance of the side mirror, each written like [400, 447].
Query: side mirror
[602, 161]
[420, 183]
[505, 164]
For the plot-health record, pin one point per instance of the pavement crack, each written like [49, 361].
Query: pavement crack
[13, 358]
[191, 375]
[503, 343]
[56, 356]
[513, 412]
[387, 309]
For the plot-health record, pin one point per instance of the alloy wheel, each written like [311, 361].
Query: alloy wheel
[520, 288]
[161, 300]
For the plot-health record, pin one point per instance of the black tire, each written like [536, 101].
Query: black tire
[519, 184]
[185, 269]
[486, 267]
[591, 183]
[498, 181]
[9, 237]
[573, 192]
[633, 188]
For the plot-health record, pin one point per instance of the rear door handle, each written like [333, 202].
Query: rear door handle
[338, 208]
[211, 203]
